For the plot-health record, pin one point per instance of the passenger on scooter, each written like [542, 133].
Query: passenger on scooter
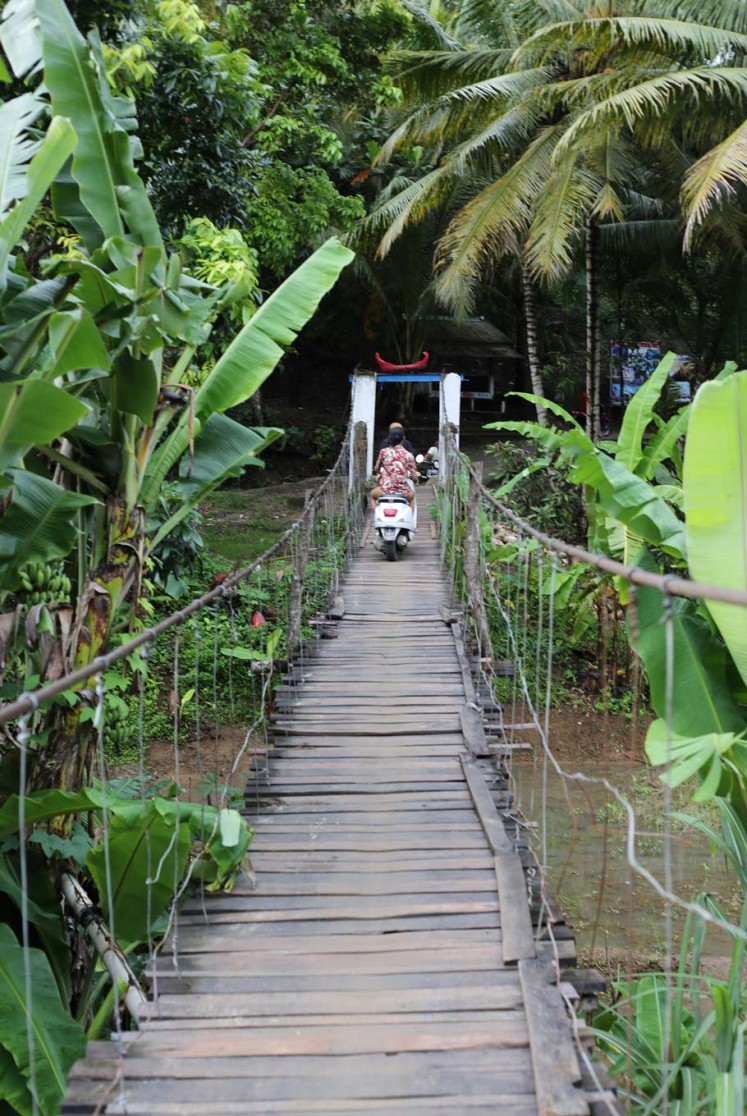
[433, 454]
[406, 443]
[394, 466]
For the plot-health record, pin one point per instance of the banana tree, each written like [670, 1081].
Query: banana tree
[93, 355]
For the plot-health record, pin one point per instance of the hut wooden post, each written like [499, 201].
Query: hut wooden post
[300, 558]
[472, 571]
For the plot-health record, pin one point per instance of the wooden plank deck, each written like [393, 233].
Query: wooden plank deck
[365, 972]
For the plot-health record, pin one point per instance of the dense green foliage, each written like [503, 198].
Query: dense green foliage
[685, 1044]
[168, 164]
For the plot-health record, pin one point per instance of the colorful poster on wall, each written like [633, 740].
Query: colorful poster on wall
[631, 366]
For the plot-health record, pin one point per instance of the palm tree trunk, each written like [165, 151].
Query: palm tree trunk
[530, 317]
[593, 367]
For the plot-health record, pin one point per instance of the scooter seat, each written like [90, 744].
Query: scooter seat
[392, 498]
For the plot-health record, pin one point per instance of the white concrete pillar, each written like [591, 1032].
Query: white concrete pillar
[448, 414]
[363, 409]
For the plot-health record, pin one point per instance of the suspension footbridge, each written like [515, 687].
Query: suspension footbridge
[384, 958]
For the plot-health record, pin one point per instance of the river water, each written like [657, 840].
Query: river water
[618, 919]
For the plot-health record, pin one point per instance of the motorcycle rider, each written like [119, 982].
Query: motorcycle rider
[405, 442]
[394, 465]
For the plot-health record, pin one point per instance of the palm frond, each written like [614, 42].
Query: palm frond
[670, 37]
[651, 98]
[421, 13]
[660, 234]
[561, 213]
[608, 205]
[495, 221]
[473, 104]
[416, 198]
[729, 14]
[427, 75]
[530, 15]
[509, 131]
[713, 178]
[484, 21]
[414, 203]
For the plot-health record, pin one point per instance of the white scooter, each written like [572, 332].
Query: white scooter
[395, 522]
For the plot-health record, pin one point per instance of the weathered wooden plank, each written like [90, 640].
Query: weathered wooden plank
[252, 1006]
[323, 802]
[353, 883]
[362, 983]
[420, 1106]
[201, 941]
[356, 1017]
[401, 841]
[557, 1073]
[375, 1038]
[296, 738]
[409, 705]
[375, 1077]
[244, 922]
[366, 728]
[347, 769]
[282, 787]
[518, 941]
[282, 908]
[486, 811]
[473, 731]
[473, 959]
[450, 819]
[269, 860]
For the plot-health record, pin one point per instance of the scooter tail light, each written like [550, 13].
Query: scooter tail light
[390, 512]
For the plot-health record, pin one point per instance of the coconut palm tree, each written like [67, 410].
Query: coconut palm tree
[688, 61]
[499, 113]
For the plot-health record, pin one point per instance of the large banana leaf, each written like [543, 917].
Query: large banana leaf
[30, 187]
[19, 35]
[252, 355]
[75, 343]
[138, 859]
[638, 414]
[102, 166]
[661, 445]
[686, 756]
[38, 526]
[701, 701]
[715, 485]
[16, 146]
[223, 448]
[34, 413]
[58, 1040]
[632, 501]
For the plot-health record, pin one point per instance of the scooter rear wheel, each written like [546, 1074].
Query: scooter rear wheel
[390, 550]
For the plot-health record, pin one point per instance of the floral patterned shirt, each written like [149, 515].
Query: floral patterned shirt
[394, 465]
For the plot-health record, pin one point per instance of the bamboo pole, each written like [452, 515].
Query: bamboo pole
[111, 955]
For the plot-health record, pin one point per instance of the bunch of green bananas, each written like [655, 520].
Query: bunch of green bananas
[45, 583]
[116, 733]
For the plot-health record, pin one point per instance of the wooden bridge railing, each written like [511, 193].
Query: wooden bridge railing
[514, 582]
[203, 676]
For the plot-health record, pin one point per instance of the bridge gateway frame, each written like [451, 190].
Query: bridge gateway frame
[363, 407]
